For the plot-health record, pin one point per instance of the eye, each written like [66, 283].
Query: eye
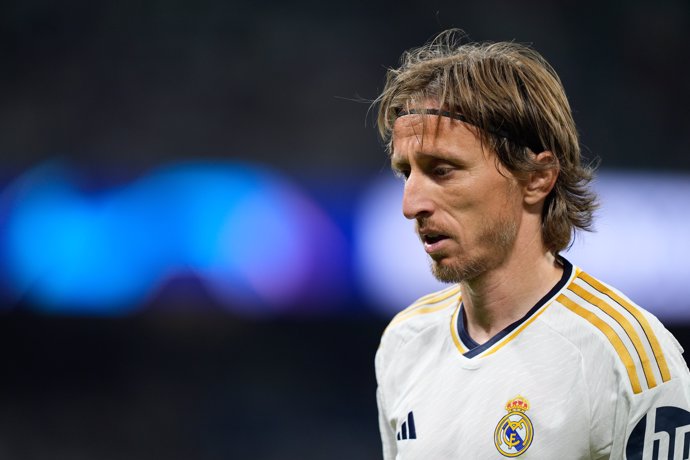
[442, 171]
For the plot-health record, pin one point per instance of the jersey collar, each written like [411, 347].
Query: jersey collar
[469, 348]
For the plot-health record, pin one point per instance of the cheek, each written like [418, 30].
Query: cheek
[462, 196]
[481, 197]
[469, 202]
[479, 208]
[506, 194]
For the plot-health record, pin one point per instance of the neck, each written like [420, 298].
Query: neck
[503, 295]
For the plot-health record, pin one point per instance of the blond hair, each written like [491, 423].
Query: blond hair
[517, 102]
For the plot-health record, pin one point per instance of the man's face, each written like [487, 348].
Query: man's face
[467, 211]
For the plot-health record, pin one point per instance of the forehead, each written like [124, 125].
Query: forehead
[432, 134]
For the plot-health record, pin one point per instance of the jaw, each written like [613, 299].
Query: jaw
[492, 250]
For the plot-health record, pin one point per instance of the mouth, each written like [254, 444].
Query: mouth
[432, 238]
[432, 241]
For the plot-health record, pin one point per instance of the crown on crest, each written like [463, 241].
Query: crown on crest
[519, 404]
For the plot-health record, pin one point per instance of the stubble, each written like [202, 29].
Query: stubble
[496, 239]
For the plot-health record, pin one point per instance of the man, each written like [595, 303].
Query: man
[525, 355]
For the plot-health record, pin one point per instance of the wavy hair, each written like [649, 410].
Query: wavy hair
[516, 100]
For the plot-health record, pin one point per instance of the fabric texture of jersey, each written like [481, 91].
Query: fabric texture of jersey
[586, 374]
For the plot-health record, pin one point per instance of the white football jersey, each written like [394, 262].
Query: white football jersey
[585, 374]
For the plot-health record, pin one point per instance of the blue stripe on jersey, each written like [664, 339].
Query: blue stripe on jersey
[462, 332]
[476, 349]
[410, 421]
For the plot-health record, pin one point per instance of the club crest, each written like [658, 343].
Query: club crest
[514, 432]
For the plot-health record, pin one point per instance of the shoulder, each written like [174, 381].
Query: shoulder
[629, 362]
[424, 312]
[431, 310]
[607, 327]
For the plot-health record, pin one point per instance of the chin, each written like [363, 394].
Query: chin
[448, 271]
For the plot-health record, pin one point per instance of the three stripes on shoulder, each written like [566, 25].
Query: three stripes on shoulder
[428, 304]
[624, 325]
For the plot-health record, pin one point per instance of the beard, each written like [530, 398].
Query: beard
[497, 237]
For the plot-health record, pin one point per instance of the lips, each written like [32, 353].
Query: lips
[433, 241]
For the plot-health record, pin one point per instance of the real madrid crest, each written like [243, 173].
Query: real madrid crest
[514, 432]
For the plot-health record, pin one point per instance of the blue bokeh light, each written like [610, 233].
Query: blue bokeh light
[253, 238]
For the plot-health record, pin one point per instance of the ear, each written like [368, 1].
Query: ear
[538, 184]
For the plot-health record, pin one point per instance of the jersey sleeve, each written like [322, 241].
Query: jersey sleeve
[656, 420]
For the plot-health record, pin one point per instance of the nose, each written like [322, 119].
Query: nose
[416, 201]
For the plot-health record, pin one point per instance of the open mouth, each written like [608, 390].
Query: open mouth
[432, 238]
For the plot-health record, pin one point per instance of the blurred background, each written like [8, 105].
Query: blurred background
[200, 238]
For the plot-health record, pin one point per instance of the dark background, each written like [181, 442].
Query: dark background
[117, 88]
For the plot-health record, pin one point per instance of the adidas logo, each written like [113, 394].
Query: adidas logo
[407, 429]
